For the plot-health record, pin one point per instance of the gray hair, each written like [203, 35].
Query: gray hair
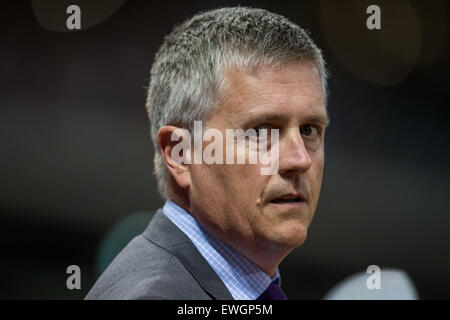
[187, 77]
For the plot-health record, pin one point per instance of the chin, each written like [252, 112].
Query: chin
[289, 237]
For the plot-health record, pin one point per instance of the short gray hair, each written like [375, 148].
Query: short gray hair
[187, 77]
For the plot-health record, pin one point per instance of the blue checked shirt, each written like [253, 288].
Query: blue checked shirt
[244, 279]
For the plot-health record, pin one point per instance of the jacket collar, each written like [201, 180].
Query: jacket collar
[167, 235]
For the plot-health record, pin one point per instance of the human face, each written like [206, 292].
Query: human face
[260, 214]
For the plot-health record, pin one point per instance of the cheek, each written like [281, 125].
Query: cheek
[207, 186]
[229, 185]
[218, 183]
[319, 166]
[316, 175]
[242, 185]
[209, 195]
[243, 179]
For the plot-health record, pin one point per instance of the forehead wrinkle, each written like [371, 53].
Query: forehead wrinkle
[285, 81]
[239, 97]
[244, 88]
[291, 96]
[306, 87]
[289, 103]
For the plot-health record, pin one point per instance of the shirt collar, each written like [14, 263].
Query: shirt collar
[244, 279]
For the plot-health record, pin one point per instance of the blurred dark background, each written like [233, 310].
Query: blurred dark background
[76, 158]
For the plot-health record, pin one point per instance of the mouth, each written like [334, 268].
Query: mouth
[289, 199]
[294, 200]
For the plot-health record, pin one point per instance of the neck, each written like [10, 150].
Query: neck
[266, 258]
[180, 197]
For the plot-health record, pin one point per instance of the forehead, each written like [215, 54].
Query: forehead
[294, 89]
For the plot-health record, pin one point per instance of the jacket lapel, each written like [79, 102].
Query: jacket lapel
[167, 235]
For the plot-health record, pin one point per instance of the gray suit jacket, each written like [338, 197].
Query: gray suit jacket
[160, 263]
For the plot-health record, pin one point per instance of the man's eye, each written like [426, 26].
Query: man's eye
[308, 130]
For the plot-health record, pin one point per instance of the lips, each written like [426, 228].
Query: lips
[287, 199]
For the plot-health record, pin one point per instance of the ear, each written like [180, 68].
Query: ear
[175, 145]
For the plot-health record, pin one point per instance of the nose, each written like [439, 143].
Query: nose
[294, 157]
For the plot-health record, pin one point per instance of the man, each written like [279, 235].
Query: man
[225, 227]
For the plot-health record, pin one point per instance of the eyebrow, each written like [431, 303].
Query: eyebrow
[324, 120]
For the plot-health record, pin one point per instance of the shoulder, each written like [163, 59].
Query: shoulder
[144, 270]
